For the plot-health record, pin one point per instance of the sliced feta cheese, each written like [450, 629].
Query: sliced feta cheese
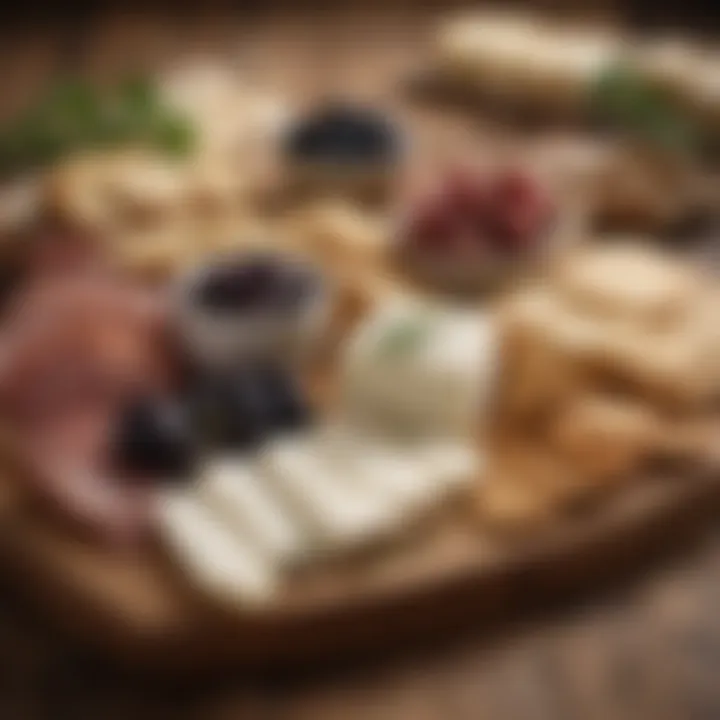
[409, 477]
[421, 476]
[233, 488]
[335, 513]
[213, 557]
[453, 465]
[384, 470]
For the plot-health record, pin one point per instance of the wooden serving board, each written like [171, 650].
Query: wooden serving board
[137, 609]
[134, 607]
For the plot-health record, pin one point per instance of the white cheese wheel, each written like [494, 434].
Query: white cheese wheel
[420, 370]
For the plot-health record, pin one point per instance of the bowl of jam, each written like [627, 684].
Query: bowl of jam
[244, 308]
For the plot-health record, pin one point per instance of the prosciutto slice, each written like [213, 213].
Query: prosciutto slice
[73, 351]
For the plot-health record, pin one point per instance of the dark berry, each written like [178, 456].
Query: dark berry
[229, 412]
[430, 222]
[519, 211]
[286, 403]
[255, 284]
[154, 437]
[294, 287]
[465, 192]
[238, 287]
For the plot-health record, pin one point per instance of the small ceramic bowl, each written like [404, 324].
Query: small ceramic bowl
[345, 149]
[489, 271]
[222, 332]
[484, 267]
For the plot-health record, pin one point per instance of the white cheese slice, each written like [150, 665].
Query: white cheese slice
[384, 470]
[422, 475]
[214, 557]
[233, 489]
[453, 465]
[336, 513]
[343, 451]
[406, 478]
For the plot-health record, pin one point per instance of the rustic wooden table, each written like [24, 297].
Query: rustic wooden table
[646, 650]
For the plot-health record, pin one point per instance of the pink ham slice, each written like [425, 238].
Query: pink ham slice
[73, 352]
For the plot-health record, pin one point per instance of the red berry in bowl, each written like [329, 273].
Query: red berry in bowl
[465, 191]
[513, 186]
[429, 224]
[519, 210]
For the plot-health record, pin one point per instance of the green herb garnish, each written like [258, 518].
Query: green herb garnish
[403, 337]
[73, 115]
[626, 101]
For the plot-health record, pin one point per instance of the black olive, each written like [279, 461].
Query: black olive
[288, 406]
[154, 436]
[243, 408]
[229, 411]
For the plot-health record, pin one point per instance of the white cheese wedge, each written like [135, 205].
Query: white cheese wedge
[215, 559]
[235, 491]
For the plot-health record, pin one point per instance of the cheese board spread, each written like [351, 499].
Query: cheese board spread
[246, 423]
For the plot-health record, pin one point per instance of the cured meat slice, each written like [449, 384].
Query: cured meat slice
[72, 354]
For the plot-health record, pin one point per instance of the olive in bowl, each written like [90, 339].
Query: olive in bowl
[242, 408]
[154, 436]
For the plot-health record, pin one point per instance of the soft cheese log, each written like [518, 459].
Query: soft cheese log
[235, 491]
[522, 59]
[213, 557]
[416, 369]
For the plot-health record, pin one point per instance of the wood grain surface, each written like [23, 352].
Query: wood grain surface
[649, 648]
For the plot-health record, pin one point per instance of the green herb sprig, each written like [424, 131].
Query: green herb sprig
[625, 100]
[73, 115]
[404, 337]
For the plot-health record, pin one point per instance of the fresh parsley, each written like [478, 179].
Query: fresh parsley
[404, 337]
[626, 101]
[74, 115]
